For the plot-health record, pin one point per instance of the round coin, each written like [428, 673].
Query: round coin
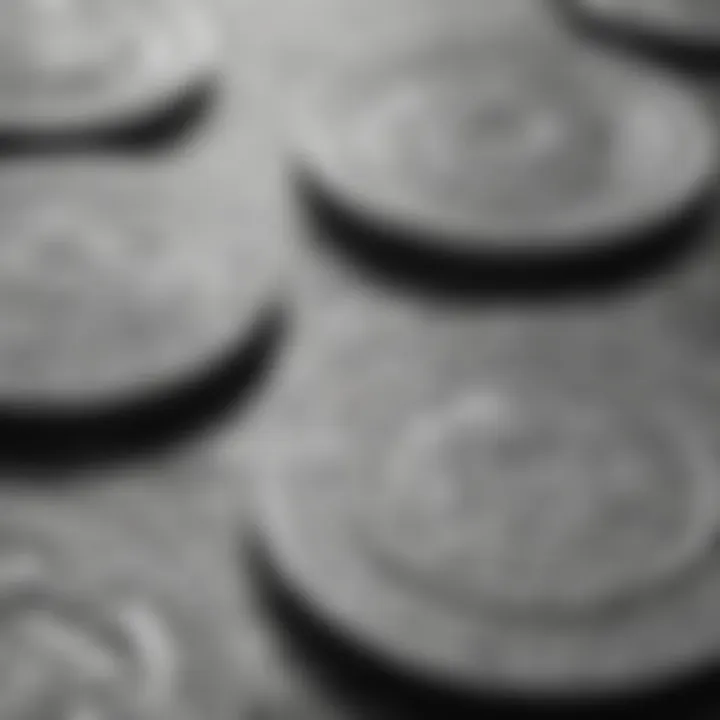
[504, 150]
[491, 522]
[74, 66]
[119, 296]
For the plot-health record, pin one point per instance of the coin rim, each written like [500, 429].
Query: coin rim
[312, 131]
[139, 94]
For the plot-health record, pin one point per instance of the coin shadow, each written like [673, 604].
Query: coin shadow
[701, 59]
[435, 267]
[173, 123]
[357, 676]
[45, 444]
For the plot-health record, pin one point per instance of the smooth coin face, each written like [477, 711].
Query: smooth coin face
[505, 143]
[108, 294]
[76, 63]
[515, 499]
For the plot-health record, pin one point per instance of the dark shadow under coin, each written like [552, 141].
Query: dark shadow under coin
[695, 57]
[436, 266]
[175, 123]
[41, 440]
[345, 669]
[171, 124]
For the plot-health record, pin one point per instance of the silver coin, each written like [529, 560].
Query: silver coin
[492, 519]
[506, 145]
[113, 285]
[72, 65]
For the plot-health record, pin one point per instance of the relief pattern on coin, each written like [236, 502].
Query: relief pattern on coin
[538, 503]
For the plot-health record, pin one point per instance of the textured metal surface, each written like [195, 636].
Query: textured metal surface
[169, 526]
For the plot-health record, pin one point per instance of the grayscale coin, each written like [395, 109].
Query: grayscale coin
[76, 65]
[490, 523]
[472, 490]
[116, 287]
[507, 147]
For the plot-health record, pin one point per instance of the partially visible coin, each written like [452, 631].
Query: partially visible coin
[73, 66]
[122, 295]
[505, 150]
[81, 657]
[473, 489]
[493, 521]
